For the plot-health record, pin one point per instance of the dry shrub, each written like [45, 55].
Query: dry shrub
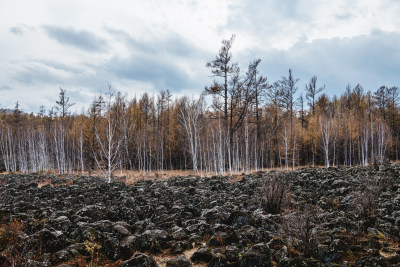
[274, 192]
[11, 243]
[78, 261]
[298, 227]
[366, 200]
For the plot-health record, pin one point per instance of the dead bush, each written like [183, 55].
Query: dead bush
[298, 228]
[11, 243]
[366, 201]
[274, 192]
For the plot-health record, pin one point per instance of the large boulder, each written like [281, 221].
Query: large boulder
[203, 254]
[153, 240]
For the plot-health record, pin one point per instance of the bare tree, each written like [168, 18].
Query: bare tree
[382, 141]
[312, 91]
[288, 90]
[109, 141]
[260, 85]
[81, 152]
[381, 97]
[191, 113]
[63, 103]
[302, 112]
[223, 67]
[325, 123]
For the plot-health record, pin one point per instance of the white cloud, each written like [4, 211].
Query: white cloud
[149, 45]
[281, 24]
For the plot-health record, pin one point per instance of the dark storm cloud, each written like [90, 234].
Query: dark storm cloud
[371, 60]
[78, 38]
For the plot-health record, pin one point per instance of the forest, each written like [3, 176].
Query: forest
[242, 122]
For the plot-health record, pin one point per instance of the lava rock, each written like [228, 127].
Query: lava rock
[140, 260]
[203, 254]
[180, 261]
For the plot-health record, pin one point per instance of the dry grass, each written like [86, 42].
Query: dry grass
[131, 177]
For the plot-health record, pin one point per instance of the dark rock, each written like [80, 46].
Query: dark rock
[140, 260]
[51, 241]
[180, 246]
[153, 240]
[94, 212]
[281, 257]
[261, 247]
[231, 254]
[338, 245]
[179, 261]
[250, 233]
[110, 247]
[326, 255]
[172, 215]
[255, 258]
[203, 254]
[62, 255]
[218, 260]
[219, 239]
[33, 263]
[215, 215]
[121, 230]
[128, 246]
[61, 223]
[78, 248]
[370, 261]
[194, 238]
[178, 233]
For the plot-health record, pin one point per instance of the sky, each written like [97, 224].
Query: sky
[153, 45]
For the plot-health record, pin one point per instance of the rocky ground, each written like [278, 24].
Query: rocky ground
[324, 217]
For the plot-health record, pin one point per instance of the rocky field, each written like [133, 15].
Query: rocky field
[310, 217]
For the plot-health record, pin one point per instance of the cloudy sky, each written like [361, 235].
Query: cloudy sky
[151, 45]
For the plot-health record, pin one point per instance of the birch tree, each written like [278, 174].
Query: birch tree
[108, 139]
[288, 90]
[325, 123]
[191, 113]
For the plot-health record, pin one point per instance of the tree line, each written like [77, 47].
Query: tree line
[249, 124]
